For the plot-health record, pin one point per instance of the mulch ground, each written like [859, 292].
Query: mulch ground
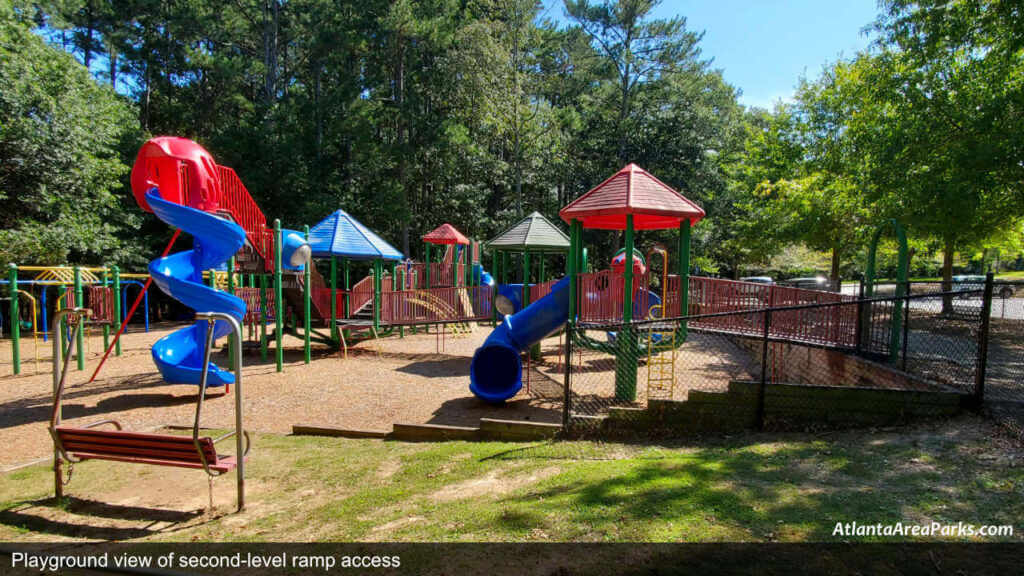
[416, 379]
[419, 378]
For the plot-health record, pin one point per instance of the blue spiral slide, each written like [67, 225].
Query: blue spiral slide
[179, 355]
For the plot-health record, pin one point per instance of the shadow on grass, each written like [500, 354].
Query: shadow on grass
[100, 519]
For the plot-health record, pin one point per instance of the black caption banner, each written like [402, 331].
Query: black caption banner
[499, 559]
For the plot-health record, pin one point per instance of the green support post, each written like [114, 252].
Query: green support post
[307, 303]
[504, 267]
[378, 272]
[684, 272]
[263, 317]
[427, 267]
[570, 262]
[526, 278]
[278, 297]
[540, 277]
[106, 327]
[535, 349]
[15, 317]
[334, 299]
[626, 360]
[79, 302]
[494, 289]
[116, 271]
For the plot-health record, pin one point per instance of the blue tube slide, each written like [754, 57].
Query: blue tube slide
[496, 373]
[179, 355]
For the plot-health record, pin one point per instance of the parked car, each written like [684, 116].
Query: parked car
[967, 282]
[809, 283]
[753, 287]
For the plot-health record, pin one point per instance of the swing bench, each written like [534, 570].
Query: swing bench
[75, 444]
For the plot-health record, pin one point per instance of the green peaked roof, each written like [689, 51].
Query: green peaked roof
[535, 232]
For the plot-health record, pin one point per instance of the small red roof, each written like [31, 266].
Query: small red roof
[445, 234]
[632, 190]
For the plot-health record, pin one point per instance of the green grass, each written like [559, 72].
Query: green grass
[749, 488]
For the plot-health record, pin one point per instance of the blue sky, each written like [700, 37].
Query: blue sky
[764, 46]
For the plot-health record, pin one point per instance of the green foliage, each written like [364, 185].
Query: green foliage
[62, 143]
[409, 114]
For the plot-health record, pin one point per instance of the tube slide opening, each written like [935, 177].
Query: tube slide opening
[496, 372]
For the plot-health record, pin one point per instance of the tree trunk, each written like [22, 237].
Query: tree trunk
[947, 276]
[270, 19]
[834, 273]
[113, 65]
[400, 143]
[519, 175]
[87, 43]
[318, 107]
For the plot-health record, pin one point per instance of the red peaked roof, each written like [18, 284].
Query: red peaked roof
[445, 234]
[632, 190]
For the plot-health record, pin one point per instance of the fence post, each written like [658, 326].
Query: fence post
[906, 328]
[859, 327]
[986, 318]
[762, 388]
[567, 394]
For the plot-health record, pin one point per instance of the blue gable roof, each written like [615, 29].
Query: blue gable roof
[342, 235]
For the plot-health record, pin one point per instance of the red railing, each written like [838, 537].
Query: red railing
[455, 304]
[320, 293]
[251, 296]
[101, 302]
[247, 214]
[361, 295]
[601, 297]
[827, 325]
[441, 274]
[538, 291]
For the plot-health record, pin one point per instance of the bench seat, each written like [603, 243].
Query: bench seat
[142, 448]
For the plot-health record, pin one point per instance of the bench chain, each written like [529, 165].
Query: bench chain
[71, 470]
[209, 480]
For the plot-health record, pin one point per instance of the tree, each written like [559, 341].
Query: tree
[62, 137]
[638, 50]
[946, 103]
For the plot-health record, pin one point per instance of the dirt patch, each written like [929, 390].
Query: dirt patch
[492, 483]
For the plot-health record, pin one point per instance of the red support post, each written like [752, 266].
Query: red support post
[135, 305]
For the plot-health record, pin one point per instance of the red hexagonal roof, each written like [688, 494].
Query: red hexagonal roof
[445, 234]
[653, 204]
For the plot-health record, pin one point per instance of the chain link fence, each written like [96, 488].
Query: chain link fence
[1004, 373]
[906, 352]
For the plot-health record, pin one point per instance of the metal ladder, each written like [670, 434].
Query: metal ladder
[661, 360]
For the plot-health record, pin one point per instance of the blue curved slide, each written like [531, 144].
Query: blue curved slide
[179, 355]
[496, 373]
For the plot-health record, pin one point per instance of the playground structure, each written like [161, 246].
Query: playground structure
[630, 200]
[104, 290]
